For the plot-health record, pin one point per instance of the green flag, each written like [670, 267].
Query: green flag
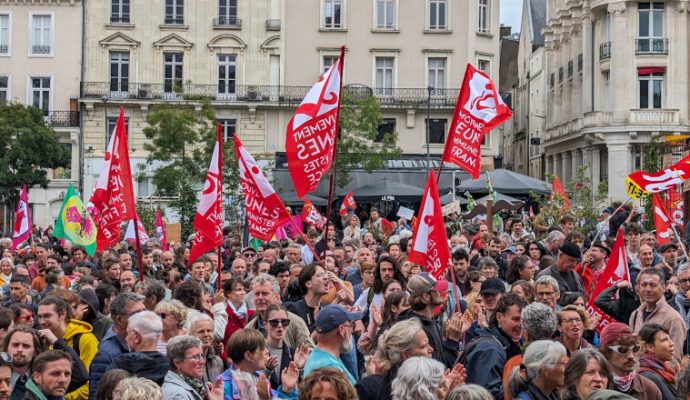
[74, 223]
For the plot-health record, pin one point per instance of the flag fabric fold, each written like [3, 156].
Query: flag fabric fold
[662, 221]
[348, 205]
[130, 236]
[22, 220]
[161, 232]
[265, 210]
[112, 201]
[313, 131]
[560, 191]
[642, 183]
[430, 242]
[312, 216]
[74, 223]
[478, 110]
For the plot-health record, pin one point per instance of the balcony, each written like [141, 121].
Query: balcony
[40, 49]
[604, 51]
[596, 118]
[4, 49]
[654, 117]
[270, 95]
[651, 46]
[272, 24]
[62, 118]
[227, 23]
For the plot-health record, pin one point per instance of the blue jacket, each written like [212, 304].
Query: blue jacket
[110, 348]
[486, 358]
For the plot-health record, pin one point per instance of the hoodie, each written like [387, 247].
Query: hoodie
[88, 346]
[145, 364]
[99, 322]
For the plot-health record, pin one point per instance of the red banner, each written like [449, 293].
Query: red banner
[616, 270]
[161, 232]
[265, 210]
[312, 216]
[387, 227]
[479, 109]
[112, 201]
[130, 236]
[313, 131]
[209, 218]
[560, 191]
[22, 220]
[642, 183]
[430, 243]
[662, 221]
[348, 204]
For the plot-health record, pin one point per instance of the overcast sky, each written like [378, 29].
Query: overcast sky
[511, 13]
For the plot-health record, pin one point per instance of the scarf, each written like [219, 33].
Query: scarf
[197, 385]
[624, 382]
[651, 363]
[683, 306]
[240, 312]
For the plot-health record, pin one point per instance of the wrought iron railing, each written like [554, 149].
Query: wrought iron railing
[651, 46]
[62, 118]
[227, 22]
[40, 49]
[280, 95]
[4, 49]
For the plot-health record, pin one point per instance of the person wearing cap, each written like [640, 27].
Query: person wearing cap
[425, 295]
[669, 256]
[333, 328]
[621, 347]
[491, 292]
[564, 269]
[650, 286]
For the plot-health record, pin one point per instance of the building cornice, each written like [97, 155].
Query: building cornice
[41, 2]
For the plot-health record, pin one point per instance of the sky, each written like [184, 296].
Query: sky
[511, 13]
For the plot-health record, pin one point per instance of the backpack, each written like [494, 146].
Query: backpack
[75, 344]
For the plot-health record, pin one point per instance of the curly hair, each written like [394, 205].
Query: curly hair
[418, 379]
[335, 377]
[398, 339]
[135, 388]
[189, 294]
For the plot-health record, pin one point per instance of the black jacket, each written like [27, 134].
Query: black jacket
[145, 364]
[98, 321]
[620, 309]
[287, 356]
[445, 351]
[485, 358]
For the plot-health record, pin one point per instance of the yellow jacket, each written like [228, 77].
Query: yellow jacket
[88, 346]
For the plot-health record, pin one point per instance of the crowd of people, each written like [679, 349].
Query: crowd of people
[348, 316]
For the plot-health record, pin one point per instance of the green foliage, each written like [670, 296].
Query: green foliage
[147, 215]
[28, 147]
[357, 145]
[652, 163]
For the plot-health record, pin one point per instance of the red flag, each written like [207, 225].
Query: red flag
[208, 221]
[312, 216]
[265, 210]
[560, 191]
[161, 232]
[662, 221]
[313, 131]
[479, 109]
[387, 227]
[616, 270]
[130, 236]
[430, 243]
[112, 201]
[348, 204]
[642, 183]
[22, 220]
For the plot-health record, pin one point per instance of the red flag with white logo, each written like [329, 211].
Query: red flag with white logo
[348, 204]
[616, 270]
[112, 201]
[479, 109]
[208, 221]
[265, 210]
[642, 183]
[313, 131]
[560, 191]
[161, 232]
[312, 216]
[22, 220]
[662, 221]
[130, 236]
[430, 243]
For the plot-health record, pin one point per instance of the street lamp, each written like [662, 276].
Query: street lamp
[428, 121]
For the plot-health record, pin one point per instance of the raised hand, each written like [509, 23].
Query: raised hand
[301, 355]
[289, 377]
[263, 388]
[215, 391]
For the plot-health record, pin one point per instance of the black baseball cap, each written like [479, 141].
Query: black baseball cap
[492, 286]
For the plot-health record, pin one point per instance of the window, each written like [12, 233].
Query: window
[384, 76]
[385, 14]
[607, 91]
[112, 122]
[41, 34]
[227, 12]
[172, 65]
[119, 74]
[484, 21]
[332, 14]
[174, 12]
[552, 79]
[484, 66]
[570, 69]
[328, 62]
[437, 75]
[437, 130]
[4, 89]
[40, 93]
[387, 127]
[4, 34]
[560, 74]
[650, 28]
[651, 87]
[227, 75]
[119, 12]
[580, 61]
[64, 173]
[229, 127]
[437, 14]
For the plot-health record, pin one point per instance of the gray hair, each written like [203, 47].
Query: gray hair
[135, 388]
[469, 392]
[295, 246]
[418, 379]
[198, 318]
[554, 236]
[484, 261]
[683, 268]
[148, 324]
[178, 346]
[266, 278]
[539, 321]
[538, 355]
[547, 280]
[119, 305]
[398, 339]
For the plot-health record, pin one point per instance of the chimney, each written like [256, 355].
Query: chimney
[505, 31]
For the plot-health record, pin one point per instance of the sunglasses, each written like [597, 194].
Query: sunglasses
[25, 318]
[623, 350]
[274, 322]
[162, 315]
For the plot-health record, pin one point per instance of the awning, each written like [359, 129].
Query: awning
[651, 70]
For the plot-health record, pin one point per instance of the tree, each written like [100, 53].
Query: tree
[28, 148]
[652, 164]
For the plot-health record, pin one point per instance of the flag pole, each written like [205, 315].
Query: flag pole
[680, 242]
[331, 184]
[220, 190]
[606, 221]
[301, 234]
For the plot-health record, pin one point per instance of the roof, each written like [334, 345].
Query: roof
[536, 13]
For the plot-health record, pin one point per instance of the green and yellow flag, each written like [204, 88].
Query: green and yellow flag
[75, 223]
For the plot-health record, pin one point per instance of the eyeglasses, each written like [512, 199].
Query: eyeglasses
[683, 280]
[571, 320]
[197, 357]
[545, 294]
[274, 322]
[623, 350]
[249, 255]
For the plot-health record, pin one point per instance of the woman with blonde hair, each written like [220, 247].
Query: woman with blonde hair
[6, 269]
[174, 316]
[135, 388]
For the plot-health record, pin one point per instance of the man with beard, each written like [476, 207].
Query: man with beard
[23, 345]
[126, 261]
[127, 281]
[51, 375]
[112, 270]
[167, 259]
[147, 263]
[425, 297]
[461, 261]
[333, 327]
